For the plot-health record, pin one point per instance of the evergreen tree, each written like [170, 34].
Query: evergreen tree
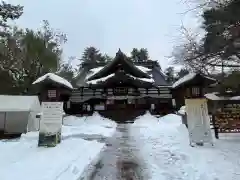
[143, 54]
[135, 54]
[182, 73]
[139, 55]
[66, 71]
[170, 77]
[8, 12]
[26, 54]
[90, 54]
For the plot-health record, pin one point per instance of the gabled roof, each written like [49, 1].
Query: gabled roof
[122, 78]
[54, 78]
[159, 77]
[155, 73]
[111, 67]
[190, 77]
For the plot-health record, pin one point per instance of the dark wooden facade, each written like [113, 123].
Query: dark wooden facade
[129, 88]
[121, 97]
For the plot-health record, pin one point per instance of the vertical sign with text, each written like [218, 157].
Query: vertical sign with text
[51, 123]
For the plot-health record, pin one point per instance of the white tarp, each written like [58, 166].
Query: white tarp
[18, 113]
[198, 121]
[51, 121]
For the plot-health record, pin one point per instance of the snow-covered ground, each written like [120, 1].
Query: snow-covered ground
[164, 146]
[160, 148]
[22, 159]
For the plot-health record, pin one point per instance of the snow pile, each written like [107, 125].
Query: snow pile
[171, 119]
[146, 119]
[54, 78]
[164, 147]
[182, 110]
[74, 120]
[94, 124]
[24, 160]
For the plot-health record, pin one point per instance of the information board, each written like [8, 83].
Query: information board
[51, 121]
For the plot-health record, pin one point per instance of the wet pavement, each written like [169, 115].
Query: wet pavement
[118, 161]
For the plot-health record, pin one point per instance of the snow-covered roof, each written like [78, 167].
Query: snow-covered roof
[95, 81]
[184, 79]
[151, 80]
[54, 78]
[144, 69]
[214, 97]
[93, 71]
[187, 78]
[17, 103]
[96, 70]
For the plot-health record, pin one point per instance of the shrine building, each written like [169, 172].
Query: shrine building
[121, 85]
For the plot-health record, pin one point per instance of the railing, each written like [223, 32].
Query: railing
[83, 94]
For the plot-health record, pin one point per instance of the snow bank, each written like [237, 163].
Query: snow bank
[69, 160]
[146, 119]
[24, 160]
[94, 124]
[54, 78]
[171, 119]
[164, 147]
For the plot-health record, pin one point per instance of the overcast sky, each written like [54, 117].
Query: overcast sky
[111, 24]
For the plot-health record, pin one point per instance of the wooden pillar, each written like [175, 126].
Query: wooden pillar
[214, 120]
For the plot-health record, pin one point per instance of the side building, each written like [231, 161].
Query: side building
[121, 85]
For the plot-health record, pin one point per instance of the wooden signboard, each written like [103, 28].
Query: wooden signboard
[198, 121]
[50, 124]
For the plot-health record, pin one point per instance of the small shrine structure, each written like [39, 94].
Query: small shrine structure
[53, 91]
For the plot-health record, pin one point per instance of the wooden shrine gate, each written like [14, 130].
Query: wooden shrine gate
[226, 118]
